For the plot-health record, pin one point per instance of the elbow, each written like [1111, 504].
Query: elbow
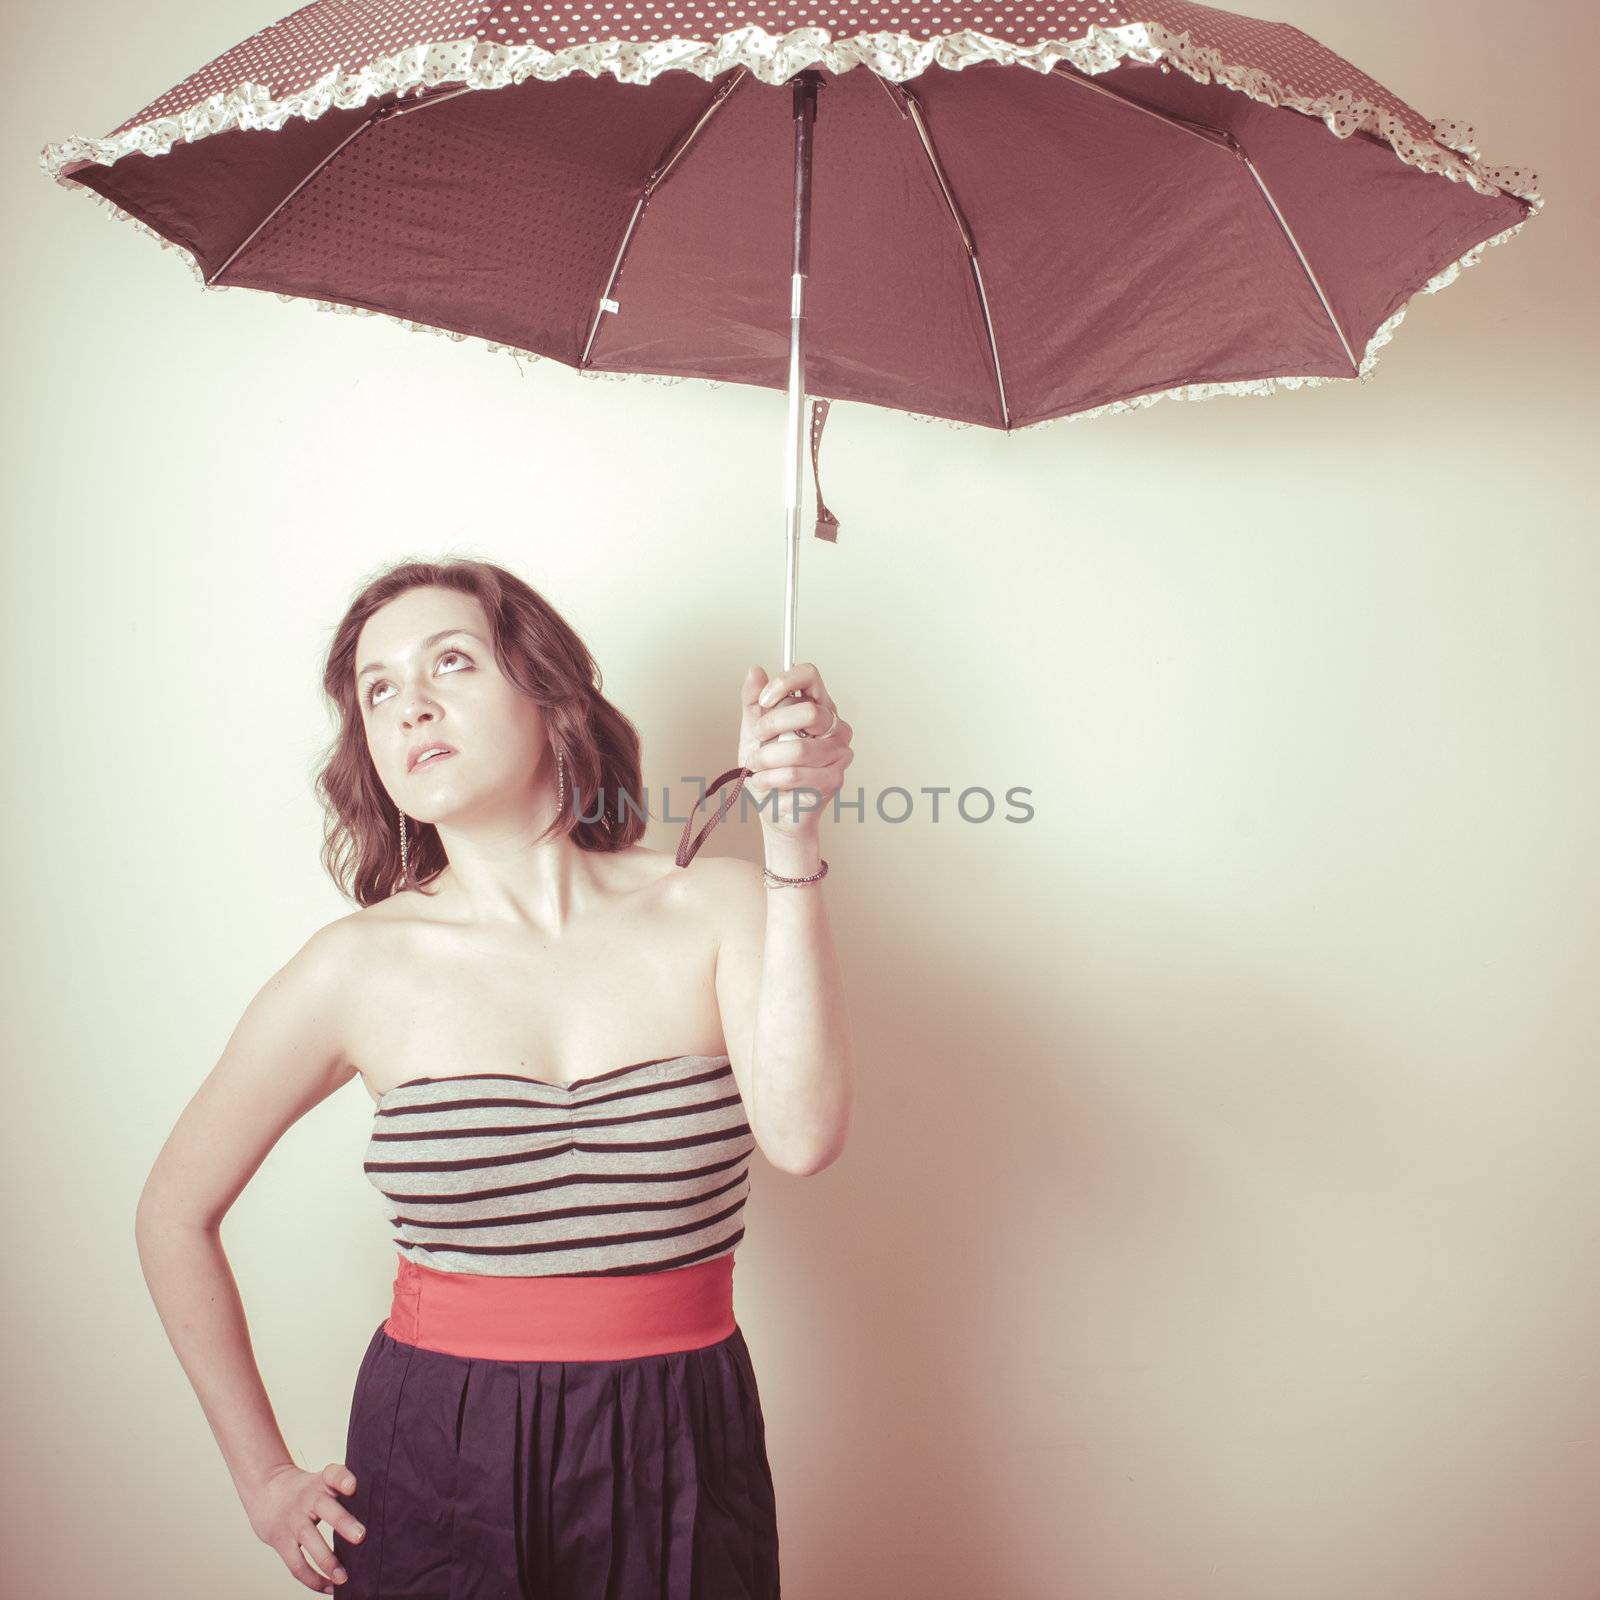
[802, 1151]
[147, 1223]
[806, 1169]
[152, 1211]
[144, 1216]
[807, 1164]
[155, 1216]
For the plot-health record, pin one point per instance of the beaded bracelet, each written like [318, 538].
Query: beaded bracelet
[774, 881]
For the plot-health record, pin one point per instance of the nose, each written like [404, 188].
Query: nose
[419, 708]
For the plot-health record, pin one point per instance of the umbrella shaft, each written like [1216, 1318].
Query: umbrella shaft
[805, 112]
[793, 446]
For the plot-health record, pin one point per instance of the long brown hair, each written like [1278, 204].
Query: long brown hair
[543, 657]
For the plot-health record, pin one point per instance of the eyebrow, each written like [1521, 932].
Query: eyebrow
[432, 639]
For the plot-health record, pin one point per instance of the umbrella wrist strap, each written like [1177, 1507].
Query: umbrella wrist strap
[686, 850]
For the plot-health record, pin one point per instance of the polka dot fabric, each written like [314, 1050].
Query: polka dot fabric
[609, 185]
[342, 52]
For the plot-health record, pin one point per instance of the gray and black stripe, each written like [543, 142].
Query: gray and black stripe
[639, 1169]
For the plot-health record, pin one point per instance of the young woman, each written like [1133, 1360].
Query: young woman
[573, 1047]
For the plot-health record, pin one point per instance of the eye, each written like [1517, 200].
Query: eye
[379, 683]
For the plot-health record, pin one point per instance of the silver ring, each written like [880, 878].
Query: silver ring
[804, 734]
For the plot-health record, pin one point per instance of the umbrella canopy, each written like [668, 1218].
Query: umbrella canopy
[1019, 212]
[1015, 213]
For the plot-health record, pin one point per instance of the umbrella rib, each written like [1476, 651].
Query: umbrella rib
[907, 104]
[652, 183]
[390, 108]
[1288, 233]
[1223, 138]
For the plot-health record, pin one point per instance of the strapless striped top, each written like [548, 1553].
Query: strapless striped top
[639, 1169]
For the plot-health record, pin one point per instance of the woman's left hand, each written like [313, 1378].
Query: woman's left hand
[792, 744]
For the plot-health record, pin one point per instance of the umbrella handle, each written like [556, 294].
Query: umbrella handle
[686, 851]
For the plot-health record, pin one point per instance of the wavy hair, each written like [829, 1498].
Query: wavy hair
[543, 657]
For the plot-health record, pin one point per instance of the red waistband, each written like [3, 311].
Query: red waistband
[562, 1318]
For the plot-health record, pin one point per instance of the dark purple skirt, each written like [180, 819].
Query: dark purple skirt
[476, 1479]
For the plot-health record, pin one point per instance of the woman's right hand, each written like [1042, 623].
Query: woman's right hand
[285, 1509]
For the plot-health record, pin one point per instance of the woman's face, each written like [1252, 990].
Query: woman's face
[426, 674]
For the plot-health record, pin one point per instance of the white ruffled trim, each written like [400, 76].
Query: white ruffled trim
[775, 59]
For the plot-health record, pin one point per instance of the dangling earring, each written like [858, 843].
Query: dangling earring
[405, 860]
[561, 779]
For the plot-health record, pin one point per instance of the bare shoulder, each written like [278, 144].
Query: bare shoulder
[331, 957]
[301, 1016]
[316, 974]
[352, 943]
[287, 1052]
[714, 875]
[728, 890]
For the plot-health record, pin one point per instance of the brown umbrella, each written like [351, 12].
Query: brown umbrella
[989, 212]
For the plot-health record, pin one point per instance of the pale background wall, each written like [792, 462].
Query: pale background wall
[1264, 1056]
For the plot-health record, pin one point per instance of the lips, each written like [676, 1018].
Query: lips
[416, 758]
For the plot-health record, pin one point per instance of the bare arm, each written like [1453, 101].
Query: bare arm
[285, 1055]
[779, 987]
